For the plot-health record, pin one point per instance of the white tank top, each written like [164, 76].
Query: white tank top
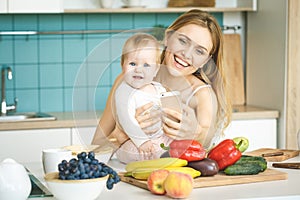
[194, 92]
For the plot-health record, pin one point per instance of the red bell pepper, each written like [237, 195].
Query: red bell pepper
[225, 153]
[190, 150]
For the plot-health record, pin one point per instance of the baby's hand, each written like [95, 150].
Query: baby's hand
[146, 150]
[147, 147]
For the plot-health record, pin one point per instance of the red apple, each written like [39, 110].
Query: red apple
[155, 181]
[178, 185]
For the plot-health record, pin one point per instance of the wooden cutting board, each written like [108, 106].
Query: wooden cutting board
[220, 179]
[233, 63]
[286, 154]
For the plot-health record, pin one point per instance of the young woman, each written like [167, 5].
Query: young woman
[192, 63]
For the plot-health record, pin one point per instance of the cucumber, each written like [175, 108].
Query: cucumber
[243, 169]
[253, 159]
[247, 165]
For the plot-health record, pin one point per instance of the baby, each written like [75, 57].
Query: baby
[140, 63]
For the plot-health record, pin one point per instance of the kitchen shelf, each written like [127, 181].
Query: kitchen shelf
[91, 31]
[159, 10]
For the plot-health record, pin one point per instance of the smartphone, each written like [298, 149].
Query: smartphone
[171, 100]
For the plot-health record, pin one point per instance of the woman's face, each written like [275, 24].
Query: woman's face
[140, 67]
[187, 49]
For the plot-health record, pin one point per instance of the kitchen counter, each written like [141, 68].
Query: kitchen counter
[63, 120]
[85, 119]
[282, 189]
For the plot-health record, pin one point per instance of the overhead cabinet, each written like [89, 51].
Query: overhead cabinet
[34, 6]
[3, 6]
[94, 6]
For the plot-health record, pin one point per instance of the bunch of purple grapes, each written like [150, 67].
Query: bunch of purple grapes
[86, 166]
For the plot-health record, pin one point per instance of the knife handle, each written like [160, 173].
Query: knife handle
[279, 153]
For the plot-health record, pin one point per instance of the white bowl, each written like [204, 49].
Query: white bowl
[87, 189]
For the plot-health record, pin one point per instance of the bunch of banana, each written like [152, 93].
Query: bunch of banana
[144, 173]
[156, 163]
[142, 169]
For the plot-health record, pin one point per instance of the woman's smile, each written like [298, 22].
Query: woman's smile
[180, 62]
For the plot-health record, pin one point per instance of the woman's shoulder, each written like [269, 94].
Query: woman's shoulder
[198, 84]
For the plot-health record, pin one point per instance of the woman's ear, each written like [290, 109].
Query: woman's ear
[157, 68]
[165, 41]
[168, 34]
[209, 59]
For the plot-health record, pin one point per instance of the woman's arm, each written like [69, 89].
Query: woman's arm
[206, 111]
[195, 122]
[107, 123]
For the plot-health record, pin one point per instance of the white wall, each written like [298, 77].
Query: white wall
[266, 59]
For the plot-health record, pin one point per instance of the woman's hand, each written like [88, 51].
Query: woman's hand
[147, 117]
[181, 125]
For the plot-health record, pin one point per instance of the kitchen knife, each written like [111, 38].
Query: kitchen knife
[279, 153]
[287, 165]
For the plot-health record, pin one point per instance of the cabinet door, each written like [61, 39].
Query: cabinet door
[3, 6]
[83, 135]
[35, 6]
[260, 133]
[27, 145]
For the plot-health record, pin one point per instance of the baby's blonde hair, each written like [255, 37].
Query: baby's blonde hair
[140, 41]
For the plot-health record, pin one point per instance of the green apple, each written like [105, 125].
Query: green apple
[241, 143]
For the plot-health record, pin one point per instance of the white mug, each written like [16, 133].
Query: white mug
[52, 157]
[132, 3]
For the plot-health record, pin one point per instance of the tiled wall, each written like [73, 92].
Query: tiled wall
[67, 72]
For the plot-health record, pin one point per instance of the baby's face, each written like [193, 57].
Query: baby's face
[140, 67]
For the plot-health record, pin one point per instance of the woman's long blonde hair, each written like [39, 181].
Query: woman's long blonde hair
[213, 71]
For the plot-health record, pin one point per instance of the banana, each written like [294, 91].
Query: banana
[144, 173]
[140, 173]
[156, 163]
[187, 170]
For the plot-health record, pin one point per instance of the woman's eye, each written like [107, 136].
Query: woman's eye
[146, 65]
[132, 64]
[182, 41]
[199, 51]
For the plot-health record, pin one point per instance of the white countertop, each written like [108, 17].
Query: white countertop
[282, 189]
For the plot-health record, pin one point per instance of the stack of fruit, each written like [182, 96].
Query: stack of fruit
[169, 176]
[173, 174]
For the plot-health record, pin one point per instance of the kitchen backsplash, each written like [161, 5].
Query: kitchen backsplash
[67, 72]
